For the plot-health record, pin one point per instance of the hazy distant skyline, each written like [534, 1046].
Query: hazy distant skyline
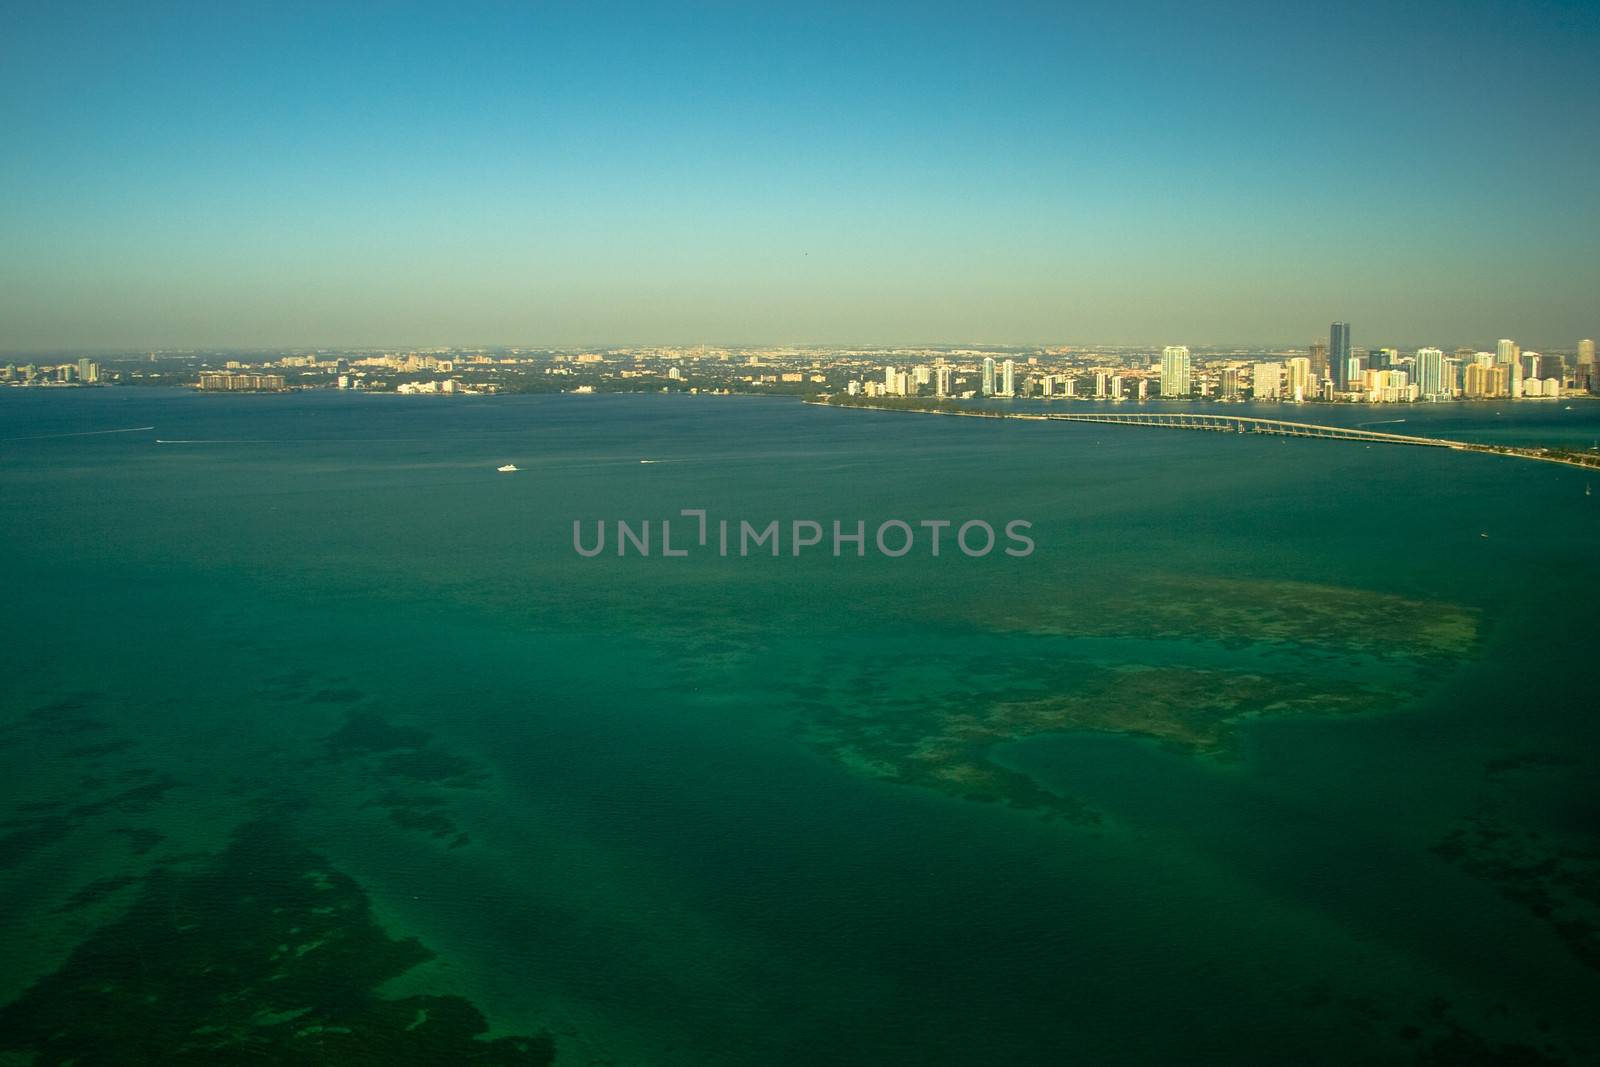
[300, 175]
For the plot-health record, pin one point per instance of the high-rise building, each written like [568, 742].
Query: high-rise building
[1431, 381]
[941, 380]
[1477, 383]
[1319, 360]
[1585, 352]
[1484, 382]
[890, 377]
[1267, 381]
[241, 383]
[1116, 387]
[1230, 383]
[988, 376]
[1008, 378]
[1506, 351]
[1339, 354]
[1101, 382]
[1175, 371]
[1301, 386]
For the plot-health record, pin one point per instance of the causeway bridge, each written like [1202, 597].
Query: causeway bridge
[1181, 420]
[1250, 424]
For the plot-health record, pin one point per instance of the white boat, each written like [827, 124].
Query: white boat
[507, 468]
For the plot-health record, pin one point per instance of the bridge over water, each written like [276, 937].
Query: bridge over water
[1250, 424]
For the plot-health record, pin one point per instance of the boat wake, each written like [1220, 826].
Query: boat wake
[79, 433]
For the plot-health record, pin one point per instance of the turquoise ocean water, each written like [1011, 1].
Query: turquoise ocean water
[771, 811]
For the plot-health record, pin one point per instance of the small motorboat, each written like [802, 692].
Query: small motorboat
[507, 468]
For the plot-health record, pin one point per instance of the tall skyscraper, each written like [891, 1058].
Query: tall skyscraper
[1175, 371]
[1339, 354]
[941, 380]
[1506, 351]
[1585, 351]
[1431, 381]
[1008, 378]
[988, 376]
[1319, 361]
[1301, 384]
[1267, 381]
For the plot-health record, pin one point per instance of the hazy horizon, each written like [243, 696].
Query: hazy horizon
[1154, 347]
[310, 177]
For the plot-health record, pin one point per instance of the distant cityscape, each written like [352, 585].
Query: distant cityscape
[1333, 371]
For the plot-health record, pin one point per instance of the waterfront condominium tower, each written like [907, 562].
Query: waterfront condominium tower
[988, 376]
[1430, 367]
[1267, 381]
[1339, 354]
[1175, 371]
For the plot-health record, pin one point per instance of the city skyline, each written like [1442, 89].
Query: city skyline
[366, 176]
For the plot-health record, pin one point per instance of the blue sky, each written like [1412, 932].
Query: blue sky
[319, 174]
